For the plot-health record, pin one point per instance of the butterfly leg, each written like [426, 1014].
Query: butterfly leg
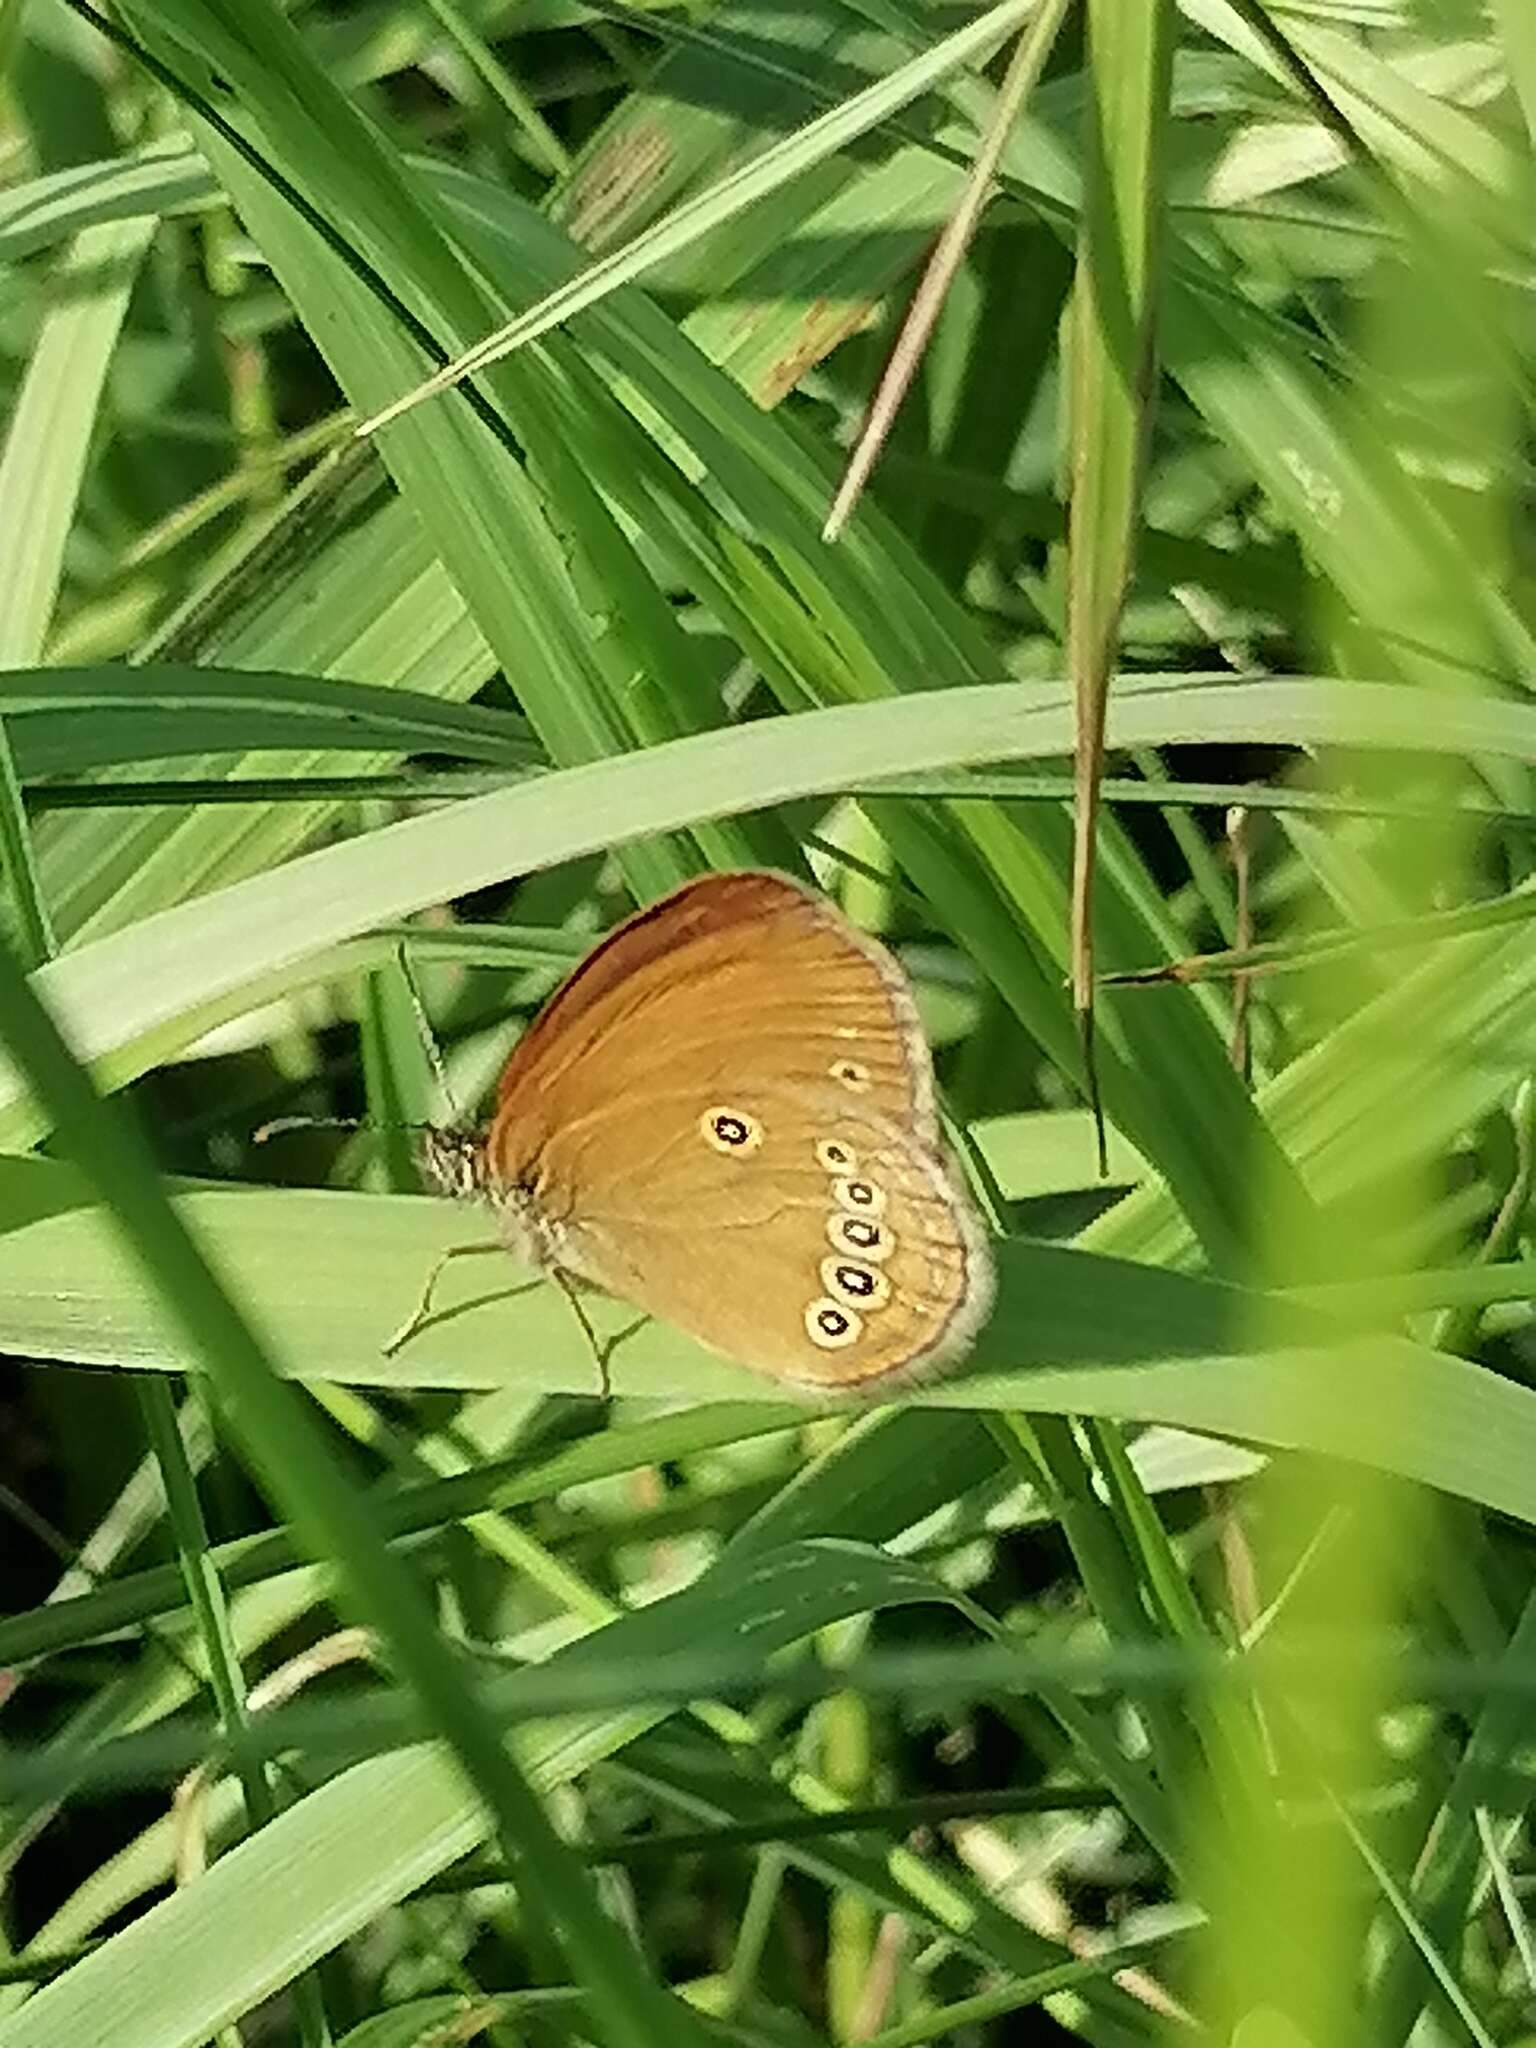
[599, 1349]
[423, 1309]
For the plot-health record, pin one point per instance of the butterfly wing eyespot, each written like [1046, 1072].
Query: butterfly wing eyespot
[833, 1156]
[862, 1197]
[852, 1074]
[830, 1326]
[865, 1236]
[730, 1130]
[855, 1284]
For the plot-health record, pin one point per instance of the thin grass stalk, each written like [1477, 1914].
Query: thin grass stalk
[205, 1593]
[1036, 41]
[1113, 331]
[540, 139]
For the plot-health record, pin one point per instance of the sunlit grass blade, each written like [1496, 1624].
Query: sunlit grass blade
[1072, 1334]
[41, 469]
[1231, 1503]
[458, 470]
[325, 1867]
[1519, 34]
[120, 992]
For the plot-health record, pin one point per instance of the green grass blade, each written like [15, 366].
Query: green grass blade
[1073, 1334]
[72, 720]
[165, 178]
[44, 460]
[688, 223]
[115, 996]
[500, 1485]
[325, 1868]
[1116, 294]
[287, 1450]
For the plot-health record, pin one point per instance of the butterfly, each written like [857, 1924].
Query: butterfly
[726, 1116]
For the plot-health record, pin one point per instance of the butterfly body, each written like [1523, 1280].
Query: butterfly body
[457, 1162]
[726, 1116]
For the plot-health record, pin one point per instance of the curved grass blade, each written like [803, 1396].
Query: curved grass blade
[41, 472]
[325, 1868]
[121, 998]
[72, 720]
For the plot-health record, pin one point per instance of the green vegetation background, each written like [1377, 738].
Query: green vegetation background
[1168, 1673]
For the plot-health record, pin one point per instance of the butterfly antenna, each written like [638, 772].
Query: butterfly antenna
[428, 1037]
[280, 1124]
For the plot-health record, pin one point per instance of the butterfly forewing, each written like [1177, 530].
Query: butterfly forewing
[727, 972]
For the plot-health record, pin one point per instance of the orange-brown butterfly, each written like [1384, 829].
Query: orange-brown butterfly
[726, 1117]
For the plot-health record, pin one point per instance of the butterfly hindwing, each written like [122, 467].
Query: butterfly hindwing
[811, 1239]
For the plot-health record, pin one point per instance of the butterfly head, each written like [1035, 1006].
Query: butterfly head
[453, 1159]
